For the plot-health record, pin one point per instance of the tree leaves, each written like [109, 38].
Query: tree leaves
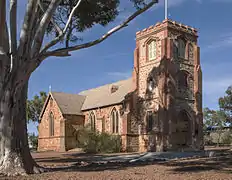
[88, 14]
[223, 116]
[34, 106]
[225, 104]
[214, 118]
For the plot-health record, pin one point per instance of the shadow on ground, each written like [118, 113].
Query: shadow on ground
[222, 161]
[82, 162]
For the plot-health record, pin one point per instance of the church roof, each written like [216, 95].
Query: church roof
[69, 103]
[106, 95]
[74, 104]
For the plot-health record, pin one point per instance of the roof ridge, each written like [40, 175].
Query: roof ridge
[66, 93]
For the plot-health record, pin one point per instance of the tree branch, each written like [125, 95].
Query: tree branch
[28, 21]
[33, 28]
[70, 16]
[4, 44]
[4, 37]
[13, 25]
[57, 27]
[38, 40]
[59, 38]
[97, 41]
[13, 30]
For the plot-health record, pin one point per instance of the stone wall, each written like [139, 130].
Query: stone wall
[45, 141]
[132, 142]
[127, 124]
[103, 121]
[165, 97]
[146, 66]
[72, 123]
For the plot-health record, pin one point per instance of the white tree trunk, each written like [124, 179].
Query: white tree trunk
[15, 157]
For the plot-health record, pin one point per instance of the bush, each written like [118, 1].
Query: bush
[226, 138]
[95, 142]
[208, 140]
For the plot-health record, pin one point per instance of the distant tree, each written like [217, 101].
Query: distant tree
[33, 140]
[35, 105]
[216, 119]
[225, 104]
[207, 118]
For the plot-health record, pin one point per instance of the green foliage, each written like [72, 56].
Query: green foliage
[214, 118]
[95, 142]
[225, 104]
[219, 118]
[34, 106]
[33, 140]
[88, 14]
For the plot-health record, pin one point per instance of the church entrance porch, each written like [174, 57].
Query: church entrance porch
[181, 136]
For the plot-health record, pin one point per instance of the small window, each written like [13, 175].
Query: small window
[115, 121]
[51, 124]
[152, 50]
[92, 120]
[149, 119]
[181, 48]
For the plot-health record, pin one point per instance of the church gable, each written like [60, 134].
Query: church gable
[50, 118]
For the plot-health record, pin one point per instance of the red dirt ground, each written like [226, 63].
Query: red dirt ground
[70, 166]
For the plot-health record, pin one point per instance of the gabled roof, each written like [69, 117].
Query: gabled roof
[74, 104]
[69, 104]
[105, 96]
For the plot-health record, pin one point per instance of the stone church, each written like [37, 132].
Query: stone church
[158, 109]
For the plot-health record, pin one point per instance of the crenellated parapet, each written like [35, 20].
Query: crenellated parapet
[167, 25]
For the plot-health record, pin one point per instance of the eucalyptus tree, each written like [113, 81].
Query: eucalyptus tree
[35, 106]
[21, 54]
[225, 104]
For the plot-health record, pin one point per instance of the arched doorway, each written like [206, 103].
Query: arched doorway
[182, 129]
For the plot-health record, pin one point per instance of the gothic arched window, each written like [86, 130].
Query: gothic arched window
[149, 121]
[175, 49]
[181, 48]
[92, 120]
[190, 51]
[152, 50]
[115, 121]
[51, 124]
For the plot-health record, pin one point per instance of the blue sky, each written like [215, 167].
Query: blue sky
[112, 60]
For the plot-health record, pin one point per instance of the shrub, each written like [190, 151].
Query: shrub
[226, 138]
[208, 140]
[95, 142]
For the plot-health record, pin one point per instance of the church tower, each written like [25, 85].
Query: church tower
[167, 81]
